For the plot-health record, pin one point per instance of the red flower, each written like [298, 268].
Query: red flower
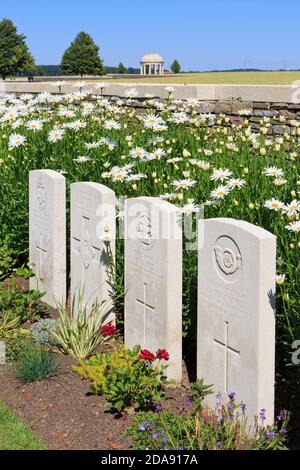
[146, 355]
[108, 330]
[162, 354]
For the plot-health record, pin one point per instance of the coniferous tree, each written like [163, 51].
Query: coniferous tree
[175, 67]
[121, 68]
[14, 53]
[82, 57]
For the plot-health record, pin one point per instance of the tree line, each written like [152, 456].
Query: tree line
[81, 58]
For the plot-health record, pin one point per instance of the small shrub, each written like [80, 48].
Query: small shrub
[127, 378]
[35, 364]
[79, 331]
[42, 332]
[22, 306]
[16, 344]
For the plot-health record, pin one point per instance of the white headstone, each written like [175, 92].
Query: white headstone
[47, 234]
[153, 279]
[93, 215]
[236, 312]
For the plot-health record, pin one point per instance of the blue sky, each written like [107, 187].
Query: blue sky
[202, 35]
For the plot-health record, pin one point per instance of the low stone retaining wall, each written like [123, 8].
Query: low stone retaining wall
[235, 101]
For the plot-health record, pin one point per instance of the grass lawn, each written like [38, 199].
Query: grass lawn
[15, 435]
[225, 78]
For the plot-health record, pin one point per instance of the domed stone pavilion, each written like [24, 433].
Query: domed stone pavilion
[152, 64]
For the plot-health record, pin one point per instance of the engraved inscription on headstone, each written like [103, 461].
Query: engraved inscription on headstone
[153, 278]
[236, 319]
[47, 234]
[92, 213]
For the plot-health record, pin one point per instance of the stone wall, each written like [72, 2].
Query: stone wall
[234, 101]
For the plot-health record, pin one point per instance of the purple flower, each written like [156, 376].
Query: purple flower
[158, 408]
[262, 414]
[165, 440]
[271, 435]
[180, 447]
[218, 444]
[142, 427]
[154, 435]
[243, 406]
[231, 395]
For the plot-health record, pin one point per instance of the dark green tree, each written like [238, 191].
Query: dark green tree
[40, 70]
[175, 67]
[121, 68]
[14, 53]
[82, 57]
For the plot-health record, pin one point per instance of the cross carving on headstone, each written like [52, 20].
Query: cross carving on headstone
[86, 250]
[147, 308]
[42, 254]
[227, 349]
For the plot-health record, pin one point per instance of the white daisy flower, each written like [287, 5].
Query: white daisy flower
[55, 135]
[292, 208]
[273, 204]
[220, 174]
[220, 192]
[236, 183]
[131, 93]
[111, 124]
[183, 184]
[294, 226]
[35, 125]
[82, 159]
[16, 140]
[274, 172]
[138, 152]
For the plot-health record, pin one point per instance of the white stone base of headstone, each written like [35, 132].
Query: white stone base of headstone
[236, 312]
[47, 234]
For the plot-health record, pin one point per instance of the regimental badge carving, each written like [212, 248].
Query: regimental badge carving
[144, 231]
[227, 258]
[41, 195]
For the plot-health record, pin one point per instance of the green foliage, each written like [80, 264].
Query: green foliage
[35, 364]
[198, 393]
[175, 67]
[14, 53]
[79, 330]
[42, 332]
[121, 68]
[82, 57]
[18, 307]
[124, 379]
[224, 428]
[14, 434]
[15, 344]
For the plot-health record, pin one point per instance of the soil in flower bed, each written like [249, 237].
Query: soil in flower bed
[63, 413]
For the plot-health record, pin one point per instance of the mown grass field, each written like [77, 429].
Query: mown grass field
[227, 78]
[14, 434]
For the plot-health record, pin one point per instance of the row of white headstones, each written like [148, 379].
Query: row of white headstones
[236, 280]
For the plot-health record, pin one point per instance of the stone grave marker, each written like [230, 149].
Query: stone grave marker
[236, 312]
[47, 234]
[153, 279]
[93, 216]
